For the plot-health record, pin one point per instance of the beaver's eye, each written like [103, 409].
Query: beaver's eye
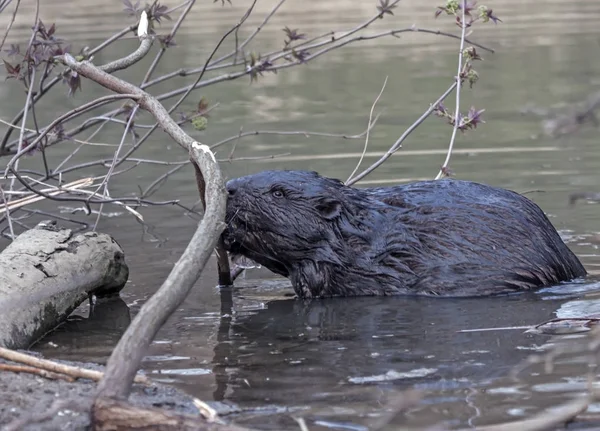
[278, 193]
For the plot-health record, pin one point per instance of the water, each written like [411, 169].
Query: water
[340, 362]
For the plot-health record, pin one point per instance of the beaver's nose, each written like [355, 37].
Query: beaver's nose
[232, 187]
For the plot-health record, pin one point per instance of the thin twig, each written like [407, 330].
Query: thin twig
[10, 24]
[111, 39]
[154, 186]
[330, 45]
[8, 217]
[368, 128]
[214, 51]
[97, 102]
[114, 162]
[304, 133]
[458, 84]
[170, 36]
[252, 36]
[73, 153]
[4, 4]
[31, 84]
[35, 132]
[43, 91]
[398, 144]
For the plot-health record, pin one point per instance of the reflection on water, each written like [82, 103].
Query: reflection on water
[88, 335]
[338, 361]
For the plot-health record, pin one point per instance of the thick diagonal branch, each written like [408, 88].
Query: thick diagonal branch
[127, 355]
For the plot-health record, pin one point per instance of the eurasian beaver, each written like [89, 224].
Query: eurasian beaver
[443, 238]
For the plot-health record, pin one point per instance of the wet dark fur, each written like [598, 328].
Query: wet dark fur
[445, 237]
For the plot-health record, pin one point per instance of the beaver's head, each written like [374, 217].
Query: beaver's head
[279, 218]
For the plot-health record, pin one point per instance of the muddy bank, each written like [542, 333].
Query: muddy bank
[32, 402]
[67, 404]
[47, 272]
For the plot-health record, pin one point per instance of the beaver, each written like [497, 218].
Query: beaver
[435, 238]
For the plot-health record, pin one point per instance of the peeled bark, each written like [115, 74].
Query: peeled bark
[47, 272]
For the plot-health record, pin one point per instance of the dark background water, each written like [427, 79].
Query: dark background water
[273, 349]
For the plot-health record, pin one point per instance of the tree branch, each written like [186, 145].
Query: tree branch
[127, 355]
[463, 27]
[398, 144]
[94, 103]
[10, 24]
[134, 57]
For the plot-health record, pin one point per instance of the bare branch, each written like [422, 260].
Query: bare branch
[398, 144]
[45, 89]
[235, 75]
[94, 103]
[114, 162]
[170, 36]
[131, 59]
[10, 24]
[252, 36]
[222, 256]
[294, 133]
[368, 128]
[127, 355]
[463, 27]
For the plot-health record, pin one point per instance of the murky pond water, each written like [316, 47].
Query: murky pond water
[338, 362]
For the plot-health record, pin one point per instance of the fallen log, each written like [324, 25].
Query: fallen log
[47, 272]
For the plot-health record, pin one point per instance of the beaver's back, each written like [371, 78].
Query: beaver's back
[466, 238]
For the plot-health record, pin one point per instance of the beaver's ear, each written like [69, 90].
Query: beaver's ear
[329, 208]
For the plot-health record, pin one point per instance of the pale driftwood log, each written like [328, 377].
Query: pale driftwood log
[117, 415]
[58, 368]
[47, 272]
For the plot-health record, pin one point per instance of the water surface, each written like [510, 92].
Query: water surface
[338, 362]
